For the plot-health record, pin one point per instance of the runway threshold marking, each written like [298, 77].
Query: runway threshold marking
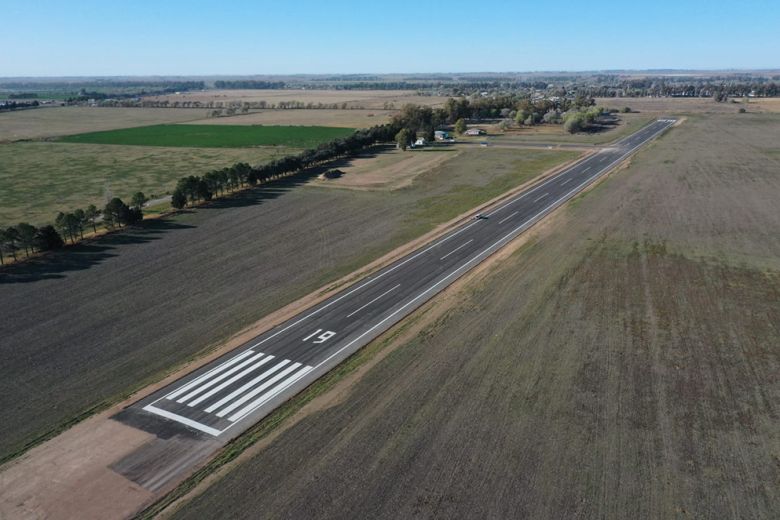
[233, 393]
[212, 382]
[372, 301]
[214, 371]
[507, 218]
[457, 248]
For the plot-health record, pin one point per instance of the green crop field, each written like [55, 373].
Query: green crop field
[214, 136]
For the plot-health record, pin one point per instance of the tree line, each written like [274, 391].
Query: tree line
[193, 189]
[68, 226]
[249, 84]
[7, 106]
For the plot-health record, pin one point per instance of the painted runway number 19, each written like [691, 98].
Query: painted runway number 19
[322, 338]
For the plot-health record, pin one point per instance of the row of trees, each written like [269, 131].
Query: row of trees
[7, 106]
[29, 238]
[193, 189]
[69, 226]
[234, 106]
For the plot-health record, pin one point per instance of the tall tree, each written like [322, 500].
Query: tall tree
[26, 233]
[460, 126]
[178, 199]
[80, 220]
[138, 200]
[47, 239]
[403, 138]
[11, 239]
[116, 212]
[91, 214]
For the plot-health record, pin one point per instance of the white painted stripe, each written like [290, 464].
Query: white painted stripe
[459, 247]
[540, 198]
[238, 402]
[183, 420]
[507, 218]
[372, 301]
[216, 380]
[231, 380]
[246, 387]
[266, 397]
[567, 180]
[586, 169]
[214, 371]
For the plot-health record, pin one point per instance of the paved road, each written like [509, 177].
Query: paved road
[232, 393]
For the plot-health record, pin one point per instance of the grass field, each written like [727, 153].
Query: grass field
[124, 309]
[38, 179]
[622, 364]
[214, 136]
[41, 123]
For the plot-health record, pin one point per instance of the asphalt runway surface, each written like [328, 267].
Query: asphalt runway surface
[229, 395]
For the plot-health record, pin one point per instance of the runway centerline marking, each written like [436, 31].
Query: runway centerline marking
[507, 218]
[567, 180]
[372, 301]
[586, 169]
[540, 198]
[459, 247]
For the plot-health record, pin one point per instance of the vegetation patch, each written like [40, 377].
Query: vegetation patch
[38, 179]
[215, 136]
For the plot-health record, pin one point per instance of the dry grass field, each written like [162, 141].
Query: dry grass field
[47, 122]
[370, 99]
[38, 179]
[112, 315]
[304, 117]
[622, 364]
[690, 105]
[386, 168]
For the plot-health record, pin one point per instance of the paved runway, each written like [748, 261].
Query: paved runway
[232, 393]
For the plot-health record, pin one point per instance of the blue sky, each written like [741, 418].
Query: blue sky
[173, 37]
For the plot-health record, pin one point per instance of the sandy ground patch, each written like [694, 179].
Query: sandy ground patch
[73, 471]
[386, 168]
